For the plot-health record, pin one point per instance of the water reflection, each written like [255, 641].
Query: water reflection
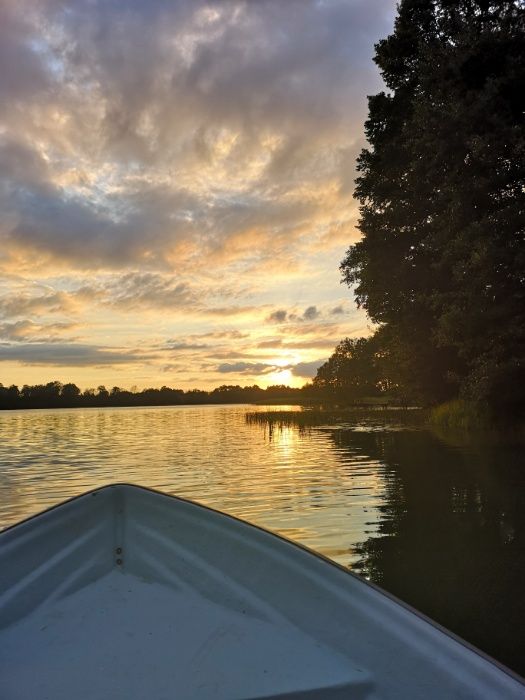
[451, 538]
[441, 527]
[289, 482]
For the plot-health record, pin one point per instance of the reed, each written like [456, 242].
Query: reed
[312, 417]
[461, 415]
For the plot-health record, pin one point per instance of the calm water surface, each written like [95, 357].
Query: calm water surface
[438, 525]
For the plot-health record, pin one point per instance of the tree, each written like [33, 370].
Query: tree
[442, 196]
[70, 394]
[351, 372]
[102, 395]
[9, 396]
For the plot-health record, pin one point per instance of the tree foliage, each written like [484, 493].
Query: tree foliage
[441, 264]
[352, 370]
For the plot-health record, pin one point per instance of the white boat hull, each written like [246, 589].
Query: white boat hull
[128, 593]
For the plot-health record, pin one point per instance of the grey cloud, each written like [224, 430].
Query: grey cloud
[217, 340]
[128, 292]
[149, 290]
[227, 310]
[278, 316]
[311, 313]
[68, 355]
[181, 346]
[23, 304]
[272, 60]
[143, 96]
[307, 369]
[24, 75]
[245, 368]
[282, 315]
[226, 355]
[229, 335]
[131, 228]
[21, 163]
[173, 367]
[29, 331]
[337, 310]
[274, 343]
[301, 369]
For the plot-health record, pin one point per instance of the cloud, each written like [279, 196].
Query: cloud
[29, 331]
[173, 367]
[273, 343]
[225, 354]
[246, 368]
[223, 335]
[312, 343]
[278, 316]
[166, 166]
[181, 346]
[337, 310]
[129, 293]
[158, 133]
[307, 369]
[69, 355]
[322, 328]
[310, 313]
[281, 315]
[40, 219]
[233, 310]
[149, 290]
[23, 75]
[24, 303]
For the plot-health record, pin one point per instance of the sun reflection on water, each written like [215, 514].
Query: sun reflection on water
[301, 486]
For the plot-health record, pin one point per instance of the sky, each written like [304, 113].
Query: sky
[176, 184]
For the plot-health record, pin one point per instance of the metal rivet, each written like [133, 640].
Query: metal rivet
[118, 550]
[119, 561]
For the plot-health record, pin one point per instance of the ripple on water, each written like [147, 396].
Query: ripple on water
[440, 527]
[305, 486]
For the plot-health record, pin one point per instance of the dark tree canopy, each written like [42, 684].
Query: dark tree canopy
[351, 371]
[441, 187]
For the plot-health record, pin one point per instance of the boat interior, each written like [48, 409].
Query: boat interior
[128, 593]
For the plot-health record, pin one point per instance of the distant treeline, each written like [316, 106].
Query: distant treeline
[356, 391]
[58, 395]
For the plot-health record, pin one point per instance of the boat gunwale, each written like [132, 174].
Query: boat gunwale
[374, 586]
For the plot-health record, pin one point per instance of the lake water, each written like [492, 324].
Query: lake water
[440, 526]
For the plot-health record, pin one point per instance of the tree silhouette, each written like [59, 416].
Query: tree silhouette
[442, 199]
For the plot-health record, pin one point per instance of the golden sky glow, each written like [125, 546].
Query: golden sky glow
[175, 187]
